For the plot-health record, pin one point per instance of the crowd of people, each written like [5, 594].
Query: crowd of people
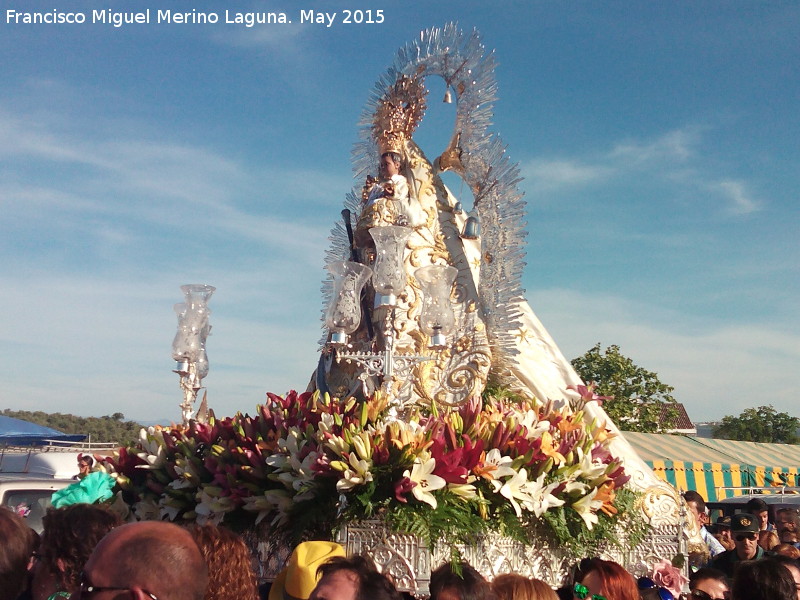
[85, 551]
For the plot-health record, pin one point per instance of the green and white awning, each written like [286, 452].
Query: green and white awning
[708, 465]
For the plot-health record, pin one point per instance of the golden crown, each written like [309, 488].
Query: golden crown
[399, 112]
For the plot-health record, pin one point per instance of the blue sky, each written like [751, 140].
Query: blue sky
[658, 143]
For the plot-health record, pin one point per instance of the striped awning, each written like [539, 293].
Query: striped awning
[707, 465]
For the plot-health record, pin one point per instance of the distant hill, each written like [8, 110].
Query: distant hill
[111, 428]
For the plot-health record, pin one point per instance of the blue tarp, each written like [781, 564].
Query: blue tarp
[15, 432]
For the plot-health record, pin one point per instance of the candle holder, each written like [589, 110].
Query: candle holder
[390, 275]
[189, 344]
[344, 313]
[437, 319]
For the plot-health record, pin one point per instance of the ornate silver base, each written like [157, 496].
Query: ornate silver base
[410, 561]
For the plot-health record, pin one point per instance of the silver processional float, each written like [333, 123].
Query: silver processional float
[424, 303]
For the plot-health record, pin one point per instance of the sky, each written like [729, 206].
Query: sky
[658, 142]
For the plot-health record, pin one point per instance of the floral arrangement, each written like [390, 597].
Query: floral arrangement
[308, 462]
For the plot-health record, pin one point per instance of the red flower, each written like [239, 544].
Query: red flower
[448, 464]
[402, 487]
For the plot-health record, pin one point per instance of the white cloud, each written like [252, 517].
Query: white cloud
[736, 192]
[678, 145]
[559, 174]
[673, 163]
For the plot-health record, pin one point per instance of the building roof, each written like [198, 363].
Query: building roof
[682, 421]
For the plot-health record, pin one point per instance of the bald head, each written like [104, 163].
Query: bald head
[149, 557]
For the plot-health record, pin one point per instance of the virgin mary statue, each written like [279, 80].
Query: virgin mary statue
[492, 333]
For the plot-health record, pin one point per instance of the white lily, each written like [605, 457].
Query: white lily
[534, 426]
[495, 465]
[357, 475]
[146, 510]
[548, 500]
[270, 501]
[463, 490]
[519, 488]
[587, 468]
[586, 508]
[212, 505]
[422, 474]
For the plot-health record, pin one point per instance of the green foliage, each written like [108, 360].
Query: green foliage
[101, 429]
[638, 394]
[762, 424]
[625, 530]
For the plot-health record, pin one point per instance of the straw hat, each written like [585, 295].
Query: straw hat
[299, 578]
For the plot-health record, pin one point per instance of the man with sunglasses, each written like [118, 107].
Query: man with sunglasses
[744, 528]
[148, 560]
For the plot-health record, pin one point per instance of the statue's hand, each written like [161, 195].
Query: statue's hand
[367, 189]
[388, 189]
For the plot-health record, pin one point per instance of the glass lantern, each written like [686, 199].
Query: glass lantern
[188, 346]
[437, 319]
[344, 313]
[390, 273]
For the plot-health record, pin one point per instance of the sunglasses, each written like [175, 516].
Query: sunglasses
[581, 592]
[745, 536]
[701, 595]
[86, 589]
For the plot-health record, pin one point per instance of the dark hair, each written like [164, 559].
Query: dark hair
[756, 505]
[618, 584]
[16, 549]
[70, 534]
[705, 574]
[696, 499]
[372, 585]
[792, 512]
[395, 156]
[465, 581]
[85, 458]
[765, 579]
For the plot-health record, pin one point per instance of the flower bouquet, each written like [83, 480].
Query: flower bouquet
[307, 463]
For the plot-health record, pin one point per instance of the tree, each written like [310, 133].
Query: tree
[101, 429]
[762, 424]
[639, 401]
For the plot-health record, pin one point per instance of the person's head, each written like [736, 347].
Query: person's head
[745, 528]
[145, 559]
[793, 567]
[787, 550]
[17, 546]
[723, 525]
[768, 539]
[447, 584]
[697, 506]
[229, 563]
[787, 523]
[708, 584]
[758, 508]
[352, 578]
[764, 579]
[85, 463]
[605, 578]
[70, 534]
[517, 587]
[390, 164]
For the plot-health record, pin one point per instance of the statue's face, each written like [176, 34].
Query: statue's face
[388, 166]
